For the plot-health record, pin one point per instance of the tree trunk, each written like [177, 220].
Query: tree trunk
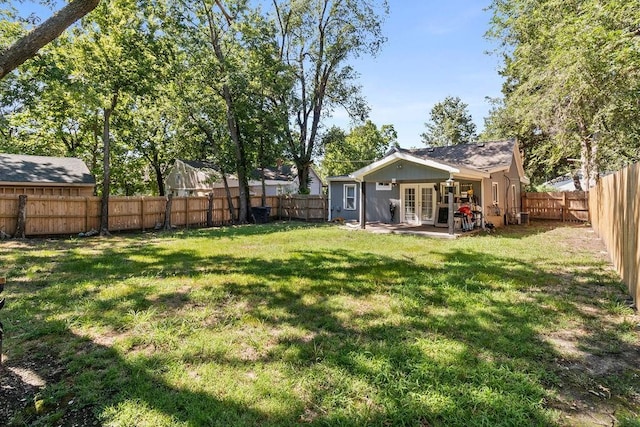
[210, 211]
[576, 181]
[27, 46]
[262, 167]
[159, 179]
[303, 178]
[241, 158]
[233, 127]
[106, 175]
[232, 213]
[264, 188]
[167, 212]
[22, 217]
[588, 159]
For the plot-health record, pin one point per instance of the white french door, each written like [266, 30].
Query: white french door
[418, 203]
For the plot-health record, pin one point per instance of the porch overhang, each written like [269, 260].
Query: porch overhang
[456, 172]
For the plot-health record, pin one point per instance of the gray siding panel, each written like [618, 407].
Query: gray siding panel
[407, 172]
[378, 203]
[337, 201]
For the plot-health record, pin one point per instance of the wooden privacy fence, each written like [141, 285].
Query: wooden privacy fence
[560, 206]
[615, 216]
[50, 215]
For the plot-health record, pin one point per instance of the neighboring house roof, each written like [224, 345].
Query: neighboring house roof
[340, 178]
[282, 173]
[566, 182]
[274, 175]
[15, 168]
[199, 165]
[474, 160]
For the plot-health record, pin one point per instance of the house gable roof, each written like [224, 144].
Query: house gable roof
[487, 156]
[16, 168]
[472, 160]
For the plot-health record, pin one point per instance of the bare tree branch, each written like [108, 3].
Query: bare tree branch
[26, 47]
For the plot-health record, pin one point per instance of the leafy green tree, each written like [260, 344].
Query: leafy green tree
[232, 56]
[344, 154]
[543, 160]
[571, 70]
[450, 124]
[115, 54]
[317, 38]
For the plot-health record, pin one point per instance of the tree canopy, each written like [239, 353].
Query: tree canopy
[450, 124]
[346, 153]
[317, 38]
[572, 79]
[136, 84]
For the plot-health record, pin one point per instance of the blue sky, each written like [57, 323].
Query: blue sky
[435, 49]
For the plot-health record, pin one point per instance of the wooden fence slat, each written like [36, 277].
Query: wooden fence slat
[50, 215]
[559, 206]
[615, 216]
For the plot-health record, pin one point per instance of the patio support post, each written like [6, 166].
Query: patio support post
[450, 198]
[363, 204]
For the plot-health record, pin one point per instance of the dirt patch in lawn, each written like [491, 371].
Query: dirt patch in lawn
[598, 367]
[21, 382]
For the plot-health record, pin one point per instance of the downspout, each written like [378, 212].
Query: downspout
[482, 204]
[329, 205]
[363, 204]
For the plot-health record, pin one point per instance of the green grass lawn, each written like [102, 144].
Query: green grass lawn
[288, 324]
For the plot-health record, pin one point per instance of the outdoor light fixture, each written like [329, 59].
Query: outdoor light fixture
[449, 183]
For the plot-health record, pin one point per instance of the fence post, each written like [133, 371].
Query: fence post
[306, 215]
[564, 205]
[142, 213]
[2, 282]
[86, 213]
[186, 211]
[22, 217]
[167, 213]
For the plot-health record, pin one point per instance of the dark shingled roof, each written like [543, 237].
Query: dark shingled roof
[481, 156]
[282, 173]
[43, 169]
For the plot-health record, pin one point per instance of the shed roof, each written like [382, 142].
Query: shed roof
[20, 168]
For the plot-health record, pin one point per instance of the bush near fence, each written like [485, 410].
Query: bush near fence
[571, 206]
[63, 215]
[615, 216]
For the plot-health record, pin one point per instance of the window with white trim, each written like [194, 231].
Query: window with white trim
[514, 202]
[444, 195]
[494, 193]
[349, 202]
[383, 186]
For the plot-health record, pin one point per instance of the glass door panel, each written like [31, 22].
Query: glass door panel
[410, 204]
[427, 205]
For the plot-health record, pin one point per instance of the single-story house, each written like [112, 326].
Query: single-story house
[411, 185]
[43, 175]
[195, 178]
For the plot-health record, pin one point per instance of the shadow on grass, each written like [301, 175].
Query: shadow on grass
[385, 341]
